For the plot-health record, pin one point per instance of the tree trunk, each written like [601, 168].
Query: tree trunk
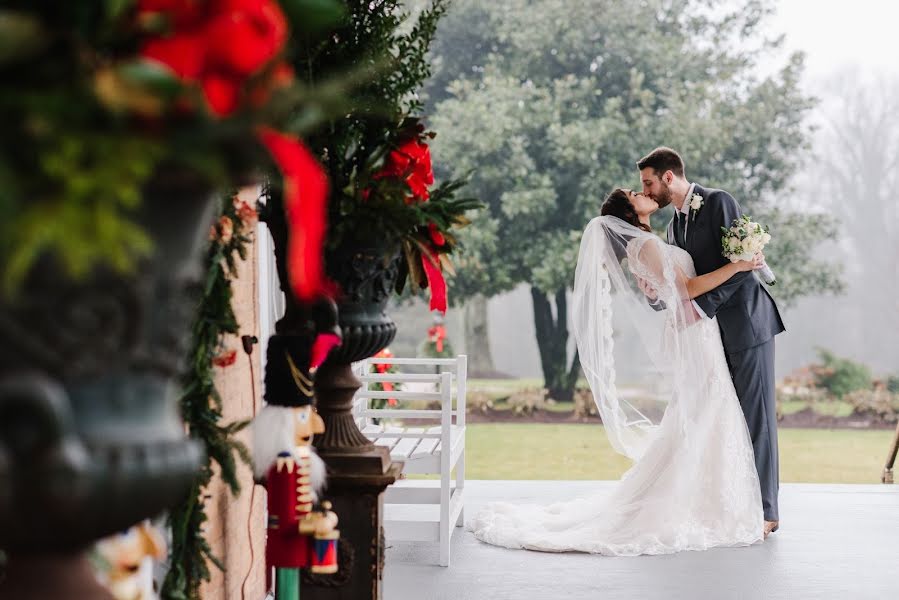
[552, 339]
[477, 339]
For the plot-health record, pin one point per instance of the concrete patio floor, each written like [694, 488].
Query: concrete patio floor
[836, 541]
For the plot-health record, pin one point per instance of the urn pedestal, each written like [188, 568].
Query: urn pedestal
[91, 440]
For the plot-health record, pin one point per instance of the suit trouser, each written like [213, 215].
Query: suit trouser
[752, 371]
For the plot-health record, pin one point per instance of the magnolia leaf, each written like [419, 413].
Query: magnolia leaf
[121, 95]
[416, 271]
[152, 75]
[426, 252]
[117, 8]
[447, 264]
[21, 36]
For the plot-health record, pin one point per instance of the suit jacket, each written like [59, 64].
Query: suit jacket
[747, 314]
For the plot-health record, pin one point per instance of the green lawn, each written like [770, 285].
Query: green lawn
[569, 451]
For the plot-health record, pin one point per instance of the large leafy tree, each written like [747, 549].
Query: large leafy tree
[550, 104]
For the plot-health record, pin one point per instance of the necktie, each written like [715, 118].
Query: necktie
[679, 226]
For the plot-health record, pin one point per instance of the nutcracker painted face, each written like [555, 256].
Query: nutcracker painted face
[307, 423]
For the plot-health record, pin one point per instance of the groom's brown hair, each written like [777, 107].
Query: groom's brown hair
[663, 159]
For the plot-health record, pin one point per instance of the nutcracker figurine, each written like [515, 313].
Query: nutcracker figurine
[301, 532]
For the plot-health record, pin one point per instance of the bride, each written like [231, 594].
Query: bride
[661, 384]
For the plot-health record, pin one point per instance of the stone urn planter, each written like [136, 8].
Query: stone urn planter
[359, 472]
[91, 440]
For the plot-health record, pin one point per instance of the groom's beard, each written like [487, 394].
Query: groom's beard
[663, 198]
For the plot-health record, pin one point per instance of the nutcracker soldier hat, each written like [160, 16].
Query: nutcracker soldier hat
[288, 381]
[292, 358]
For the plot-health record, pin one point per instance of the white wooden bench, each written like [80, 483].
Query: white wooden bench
[420, 509]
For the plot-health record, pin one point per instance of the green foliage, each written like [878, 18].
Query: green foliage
[391, 46]
[429, 347]
[793, 237]
[840, 376]
[87, 122]
[531, 451]
[92, 186]
[552, 117]
[201, 408]
[551, 104]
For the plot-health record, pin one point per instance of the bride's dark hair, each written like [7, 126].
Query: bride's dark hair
[618, 204]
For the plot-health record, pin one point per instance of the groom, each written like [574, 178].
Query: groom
[747, 315]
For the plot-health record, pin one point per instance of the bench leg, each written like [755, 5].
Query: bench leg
[445, 525]
[460, 485]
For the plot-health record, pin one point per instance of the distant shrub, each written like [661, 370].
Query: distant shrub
[528, 400]
[584, 404]
[877, 404]
[477, 401]
[841, 376]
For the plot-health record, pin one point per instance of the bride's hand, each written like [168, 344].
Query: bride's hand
[757, 262]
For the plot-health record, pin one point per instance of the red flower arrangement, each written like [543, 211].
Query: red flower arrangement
[217, 45]
[436, 336]
[382, 368]
[400, 191]
[411, 163]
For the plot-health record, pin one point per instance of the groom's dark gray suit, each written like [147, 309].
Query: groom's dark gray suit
[749, 320]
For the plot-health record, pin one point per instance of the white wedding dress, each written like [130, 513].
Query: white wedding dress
[693, 484]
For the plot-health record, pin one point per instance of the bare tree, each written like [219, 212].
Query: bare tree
[858, 178]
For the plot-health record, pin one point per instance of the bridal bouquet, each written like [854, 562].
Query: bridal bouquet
[743, 240]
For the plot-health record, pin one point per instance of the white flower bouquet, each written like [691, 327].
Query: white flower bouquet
[743, 240]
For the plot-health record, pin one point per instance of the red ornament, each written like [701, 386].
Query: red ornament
[436, 335]
[225, 359]
[385, 368]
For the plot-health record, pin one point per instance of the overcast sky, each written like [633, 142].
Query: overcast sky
[835, 34]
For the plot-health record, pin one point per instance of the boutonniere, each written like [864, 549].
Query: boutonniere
[695, 205]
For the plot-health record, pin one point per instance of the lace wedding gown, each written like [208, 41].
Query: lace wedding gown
[693, 484]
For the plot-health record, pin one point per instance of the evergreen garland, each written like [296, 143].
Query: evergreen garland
[201, 404]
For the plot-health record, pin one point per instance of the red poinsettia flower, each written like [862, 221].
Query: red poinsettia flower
[245, 36]
[184, 54]
[233, 40]
[411, 162]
